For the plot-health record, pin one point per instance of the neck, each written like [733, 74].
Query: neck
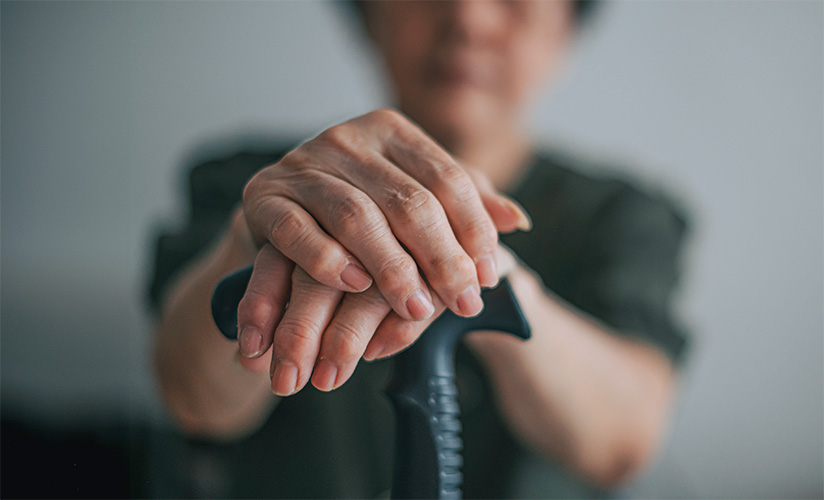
[502, 156]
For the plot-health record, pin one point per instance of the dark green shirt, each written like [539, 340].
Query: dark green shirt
[605, 247]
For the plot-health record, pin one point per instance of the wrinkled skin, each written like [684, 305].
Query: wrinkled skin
[386, 228]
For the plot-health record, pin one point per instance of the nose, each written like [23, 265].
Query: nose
[475, 21]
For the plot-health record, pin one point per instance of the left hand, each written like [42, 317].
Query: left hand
[324, 332]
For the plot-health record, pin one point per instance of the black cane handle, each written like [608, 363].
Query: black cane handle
[226, 298]
[422, 387]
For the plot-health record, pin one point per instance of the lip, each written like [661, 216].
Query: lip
[460, 72]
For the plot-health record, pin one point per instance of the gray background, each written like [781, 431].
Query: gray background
[719, 102]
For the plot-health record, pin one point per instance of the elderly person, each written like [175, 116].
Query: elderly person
[373, 228]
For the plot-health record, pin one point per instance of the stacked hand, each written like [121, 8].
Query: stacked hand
[368, 232]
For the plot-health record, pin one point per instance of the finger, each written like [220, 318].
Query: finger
[505, 212]
[418, 220]
[298, 336]
[395, 334]
[352, 218]
[290, 229]
[420, 156]
[347, 336]
[262, 304]
[507, 262]
[452, 186]
[415, 216]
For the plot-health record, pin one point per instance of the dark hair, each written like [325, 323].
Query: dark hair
[583, 9]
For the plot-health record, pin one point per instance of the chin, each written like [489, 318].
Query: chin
[456, 119]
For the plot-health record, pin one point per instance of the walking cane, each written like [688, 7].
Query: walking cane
[422, 387]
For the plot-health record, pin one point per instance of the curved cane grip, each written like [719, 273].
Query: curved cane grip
[422, 389]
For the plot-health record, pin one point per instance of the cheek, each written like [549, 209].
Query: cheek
[537, 46]
[403, 40]
[400, 54]
[531, 67]
[405, 72]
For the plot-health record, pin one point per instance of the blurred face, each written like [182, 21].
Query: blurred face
[467, 69]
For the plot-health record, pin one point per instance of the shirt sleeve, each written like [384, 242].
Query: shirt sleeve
[213, 189]
[629, 269]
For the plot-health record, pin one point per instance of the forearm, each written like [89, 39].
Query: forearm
[206, 390]
[593, 400]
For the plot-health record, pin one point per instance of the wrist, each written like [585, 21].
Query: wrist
[492, 347]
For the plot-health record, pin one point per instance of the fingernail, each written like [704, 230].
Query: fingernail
[524, 222]
[325, 375]
[374, 350]
[250, 341]
[356, 277]
[487, 271]
[284, 379]
[469, 302]
[419, 306]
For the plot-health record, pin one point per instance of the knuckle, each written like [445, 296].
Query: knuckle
[342, 139]
[452, 272]
[410, 200]
[294, 338]
[402, 333]
[406, 333]
[450, 176]
[353, 213]
[436, 225]
[393, 121]
[373, 300]
[480, 233]
[252, 198]
[348, 343]
[388, 116]
[301, 179]
[298, 167]
[250, 189]
[337, 135]
[254, 307]
[303, 283]
[449, 171]
[394, 275]
[296, 156]
[324, 261]
[261, 183]
[287, 230]
[407, 336]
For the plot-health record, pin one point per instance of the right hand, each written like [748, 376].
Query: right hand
[376, 199]
[324, 332]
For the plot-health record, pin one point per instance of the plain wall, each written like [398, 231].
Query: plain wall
[719, 102]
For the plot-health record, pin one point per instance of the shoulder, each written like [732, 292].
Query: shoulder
[214, 181]
[218, 177]
[598, 194]
[215, 178]
[607, 243]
